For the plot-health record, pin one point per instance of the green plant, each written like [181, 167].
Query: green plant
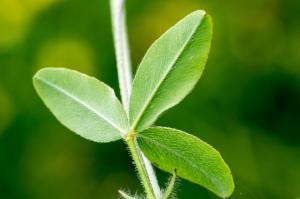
[168, 72]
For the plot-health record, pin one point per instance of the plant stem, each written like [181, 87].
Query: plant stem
[144, 167]
[122, 49]
[125, 195]
[170, 187]
[138, 160]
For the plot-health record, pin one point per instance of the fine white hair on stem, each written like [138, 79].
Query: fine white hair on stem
[118, 16]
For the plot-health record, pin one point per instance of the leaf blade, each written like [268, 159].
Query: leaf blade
[83, 104]
[165, 69]
[193, 159]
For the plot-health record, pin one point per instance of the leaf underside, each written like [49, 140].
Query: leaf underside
[82, 103]
[170, 69]
[194, 160]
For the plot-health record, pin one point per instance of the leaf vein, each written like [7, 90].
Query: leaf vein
[210, 178]
[165, 75]
[79, 101]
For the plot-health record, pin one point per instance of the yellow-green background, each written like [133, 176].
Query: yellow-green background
[247, 103]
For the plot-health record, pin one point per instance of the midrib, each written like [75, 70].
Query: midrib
[79, 101]
[211, 179]
[164, 77]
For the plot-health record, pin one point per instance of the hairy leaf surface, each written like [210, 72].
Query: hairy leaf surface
[82, 103]
[170, 69]
[194, 160]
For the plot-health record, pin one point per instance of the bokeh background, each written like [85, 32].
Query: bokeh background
[247, 104]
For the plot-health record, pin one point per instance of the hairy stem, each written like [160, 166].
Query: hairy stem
[138, 161]
[125, 195]
[170, 187]
[125, 80]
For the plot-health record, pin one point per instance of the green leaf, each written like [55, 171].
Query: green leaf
[82, 103]
[170, 69]
[194, 160]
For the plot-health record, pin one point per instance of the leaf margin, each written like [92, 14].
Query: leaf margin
[221, 193]
[135, 122]
[37, 79]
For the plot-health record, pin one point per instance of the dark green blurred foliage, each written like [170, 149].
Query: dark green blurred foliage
[247, 103]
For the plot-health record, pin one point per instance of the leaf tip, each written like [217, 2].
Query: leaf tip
[40, 72]
[226, 193]
[199, 12]
[37, 76]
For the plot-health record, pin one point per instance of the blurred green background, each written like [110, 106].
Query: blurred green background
[247, 103]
